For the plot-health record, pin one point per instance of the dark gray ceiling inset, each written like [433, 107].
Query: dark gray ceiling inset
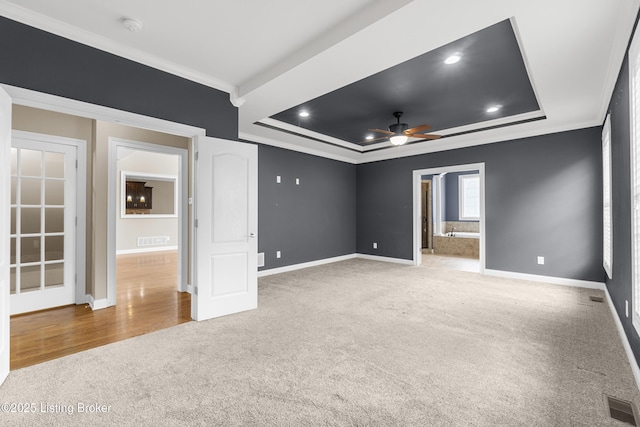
[491, 71]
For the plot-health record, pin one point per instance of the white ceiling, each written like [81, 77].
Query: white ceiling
[272, 55]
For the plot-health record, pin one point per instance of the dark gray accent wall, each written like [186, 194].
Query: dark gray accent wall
[620, 286]
[43, 62]
[452, 196]
[543, 197]
[308, 222]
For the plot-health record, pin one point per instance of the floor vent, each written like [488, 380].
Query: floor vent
[621, 410]
[150, 241]
[596, 299]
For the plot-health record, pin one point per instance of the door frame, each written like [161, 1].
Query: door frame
[80, 284]
[417, 206]
[113, 212]
[44, 101]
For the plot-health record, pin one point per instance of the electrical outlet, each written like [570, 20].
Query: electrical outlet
[375, 245]
[297, 181]
[278, 179]
[278, 254]
[541, 260]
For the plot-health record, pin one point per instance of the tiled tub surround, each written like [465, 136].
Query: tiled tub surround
[461, 226]
[464, 242]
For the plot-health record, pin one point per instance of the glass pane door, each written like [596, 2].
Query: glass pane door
[42, 225]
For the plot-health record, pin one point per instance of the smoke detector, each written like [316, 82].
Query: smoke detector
[132, 25]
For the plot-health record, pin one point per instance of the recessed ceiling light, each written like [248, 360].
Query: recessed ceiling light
[493, 108]
[369, 137]
[303, 114]
[453, 59]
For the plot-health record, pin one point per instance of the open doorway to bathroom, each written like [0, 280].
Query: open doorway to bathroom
[449, 217]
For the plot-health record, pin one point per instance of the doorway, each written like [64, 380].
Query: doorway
[427, 215]
[418, 227]
[150, 224]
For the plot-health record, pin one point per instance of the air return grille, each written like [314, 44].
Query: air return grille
[621, 410]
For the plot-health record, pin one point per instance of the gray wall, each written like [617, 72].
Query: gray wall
[37, 60]
[307, 222]
[452, 196]
[620, 287]
[543, 198]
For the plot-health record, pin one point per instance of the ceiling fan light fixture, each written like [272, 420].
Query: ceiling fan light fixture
[398, 139]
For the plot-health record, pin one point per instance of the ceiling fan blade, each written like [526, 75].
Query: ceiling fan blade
[381, 131]
[425, 136]
[418, 128]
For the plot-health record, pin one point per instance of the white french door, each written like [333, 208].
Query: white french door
[5, 189]
[43, 224]
[226, 196]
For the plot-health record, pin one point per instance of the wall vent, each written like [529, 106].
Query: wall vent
[153, 241]
[596, 299]
[621, 410]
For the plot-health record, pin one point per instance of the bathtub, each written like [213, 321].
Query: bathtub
[466, 234]
[463, 243]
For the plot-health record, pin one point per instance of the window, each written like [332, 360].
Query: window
[469, 193]
[634, 107]
[607, 227]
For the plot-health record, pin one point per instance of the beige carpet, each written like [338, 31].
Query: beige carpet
[353, 343]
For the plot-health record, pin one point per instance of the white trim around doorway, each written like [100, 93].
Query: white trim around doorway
[30, 98]
[113, 212]
[417, 206]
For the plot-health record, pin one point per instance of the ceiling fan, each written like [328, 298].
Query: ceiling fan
[399, 133]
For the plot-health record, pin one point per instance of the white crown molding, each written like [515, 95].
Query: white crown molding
[302, 131]
[43, 22]
[626, 19]
[30, 98]
[526, 130]
[300, 149]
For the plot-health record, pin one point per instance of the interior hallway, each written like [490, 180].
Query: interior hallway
[146, 301]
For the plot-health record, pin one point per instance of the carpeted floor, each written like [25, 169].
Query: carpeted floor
[353, 343]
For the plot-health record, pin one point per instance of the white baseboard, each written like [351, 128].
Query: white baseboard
[294, 267]
[546, 279]
[97, 304]
[385, 259]
[143, 250]
[625, 341]
[189, 289]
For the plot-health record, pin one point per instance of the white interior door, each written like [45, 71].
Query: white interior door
[43, 224]
[5, 190]
[226, 206]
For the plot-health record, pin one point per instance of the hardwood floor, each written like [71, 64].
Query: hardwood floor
[146, 301]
